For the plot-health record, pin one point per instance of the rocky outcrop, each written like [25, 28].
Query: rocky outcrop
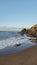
[32, 31]
[22, 32]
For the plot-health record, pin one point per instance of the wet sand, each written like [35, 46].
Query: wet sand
[25, 57]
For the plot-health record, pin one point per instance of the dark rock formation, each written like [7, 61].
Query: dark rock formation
[32, 31]
[23, 31]
[16, 45]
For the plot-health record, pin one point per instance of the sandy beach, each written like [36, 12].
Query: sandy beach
[18, 32]
[25, 57]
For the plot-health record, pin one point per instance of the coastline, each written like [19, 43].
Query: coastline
[25, 57]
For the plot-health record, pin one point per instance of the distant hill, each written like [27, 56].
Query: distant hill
[4, 28]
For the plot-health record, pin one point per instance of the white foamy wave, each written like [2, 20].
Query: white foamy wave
[12, 41]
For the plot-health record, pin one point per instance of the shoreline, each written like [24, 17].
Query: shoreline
[25, 57]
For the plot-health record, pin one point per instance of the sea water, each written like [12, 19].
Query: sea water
[8, 40]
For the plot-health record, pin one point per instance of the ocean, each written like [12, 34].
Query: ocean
[8, 40]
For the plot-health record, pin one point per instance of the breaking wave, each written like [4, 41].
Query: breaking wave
[12, 41]
[12, 38]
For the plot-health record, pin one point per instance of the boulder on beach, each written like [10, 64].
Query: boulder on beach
[16, 45]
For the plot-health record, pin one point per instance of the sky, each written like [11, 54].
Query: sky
[18, 13]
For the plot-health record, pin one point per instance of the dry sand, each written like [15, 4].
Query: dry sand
[25, 57]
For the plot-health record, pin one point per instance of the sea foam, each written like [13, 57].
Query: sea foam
[13, 40]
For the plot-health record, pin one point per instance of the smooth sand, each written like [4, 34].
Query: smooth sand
[25, 57]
